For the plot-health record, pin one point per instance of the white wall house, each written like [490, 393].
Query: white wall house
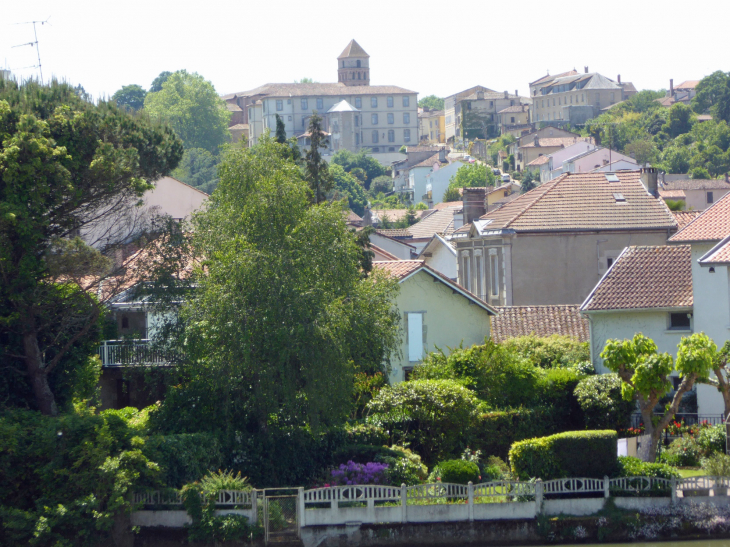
[437, 181]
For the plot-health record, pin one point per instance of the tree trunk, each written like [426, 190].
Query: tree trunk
[647, 451]
[723, 388]
[38, 375]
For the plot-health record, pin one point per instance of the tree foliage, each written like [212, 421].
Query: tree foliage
[66, 165]
[130, 96]
[282, 316]
[372, 167]
[316, 170]
[157, 82]
[198, 168]
[191, 106]
[347, 187]
[432, 102]
[645, 376]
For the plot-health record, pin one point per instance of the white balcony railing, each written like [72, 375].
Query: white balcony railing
[117, 353]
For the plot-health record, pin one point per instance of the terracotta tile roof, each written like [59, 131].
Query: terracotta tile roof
[239, 127]
[712, 225]
[520, 108]
[551, 142]
[548, 77]
[645, 277]
[540, 160]
[395, 232]
[685, 217]
[718, 255]
[505, 186]
[688, 84]
[666, 101]
[514, 321]
[672, 194]
[445, 204]
[430, 161]
[696, 184]
[399, 214]
[704, 118]
[431, 114]
[316, 89]
[586, 201]
[440, 221]
[233, 107]
[399, 268]
[353, 49]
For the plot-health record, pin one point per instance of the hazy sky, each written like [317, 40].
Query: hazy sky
[426, 46]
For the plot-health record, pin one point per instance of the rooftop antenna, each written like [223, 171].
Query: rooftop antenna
[34, 43]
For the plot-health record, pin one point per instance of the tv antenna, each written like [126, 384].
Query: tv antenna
[34, 43]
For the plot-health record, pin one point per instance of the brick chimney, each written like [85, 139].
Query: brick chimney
[649, 176]
[586, 69]
[619, 79]
[516, 94]
[671, 87]
[537, 141]
[442, 154]
[506, 95]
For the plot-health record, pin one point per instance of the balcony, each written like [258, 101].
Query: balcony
[122, 353]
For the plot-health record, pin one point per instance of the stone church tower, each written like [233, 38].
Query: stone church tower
[353, 65]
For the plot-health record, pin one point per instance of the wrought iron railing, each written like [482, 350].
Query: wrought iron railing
[118, 353]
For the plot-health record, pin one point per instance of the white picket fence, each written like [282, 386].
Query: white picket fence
[447, 502]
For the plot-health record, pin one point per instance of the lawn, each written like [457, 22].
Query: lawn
[691, 472]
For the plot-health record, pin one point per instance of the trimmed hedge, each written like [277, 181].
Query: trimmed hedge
[569, 454]
[458, 471]
[495, 432]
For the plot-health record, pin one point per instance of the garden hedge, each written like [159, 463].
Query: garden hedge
[458, 472]
[495, 432]
[569, 454]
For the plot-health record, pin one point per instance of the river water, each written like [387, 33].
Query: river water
[693, 543]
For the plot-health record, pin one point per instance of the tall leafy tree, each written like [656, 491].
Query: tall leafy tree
[130, 96]
[281, 318]
[280, 135]
[198, 168]
[645, 376]
[528, 182]
[157, 82]
[432, 102]
[709, 91]
[64, 162]
[190, 104]
[316, 169]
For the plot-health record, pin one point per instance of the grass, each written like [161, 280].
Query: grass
[691, 472]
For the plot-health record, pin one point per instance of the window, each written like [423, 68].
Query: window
[406, 118]
[407, 135]
[279, 104]
[710, 197]
[415, 336]
[288, 101]
[375, 136]
[511, 119]
[406, 101]
[358, 75]
[493, 272]
[680, 321]
[376, 149]
[358, 102]
[391, 135]
[390, 102]
[304, 121]
[305, 104]
[357, 121]
[491, 104]
[374, 102]
[391, 118]
[320, 104]
[391, 149]
[468, 106]
[374, 119]
[464, 277]
[543, 103]
[357, 138]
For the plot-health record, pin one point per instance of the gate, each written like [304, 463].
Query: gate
[281, 515]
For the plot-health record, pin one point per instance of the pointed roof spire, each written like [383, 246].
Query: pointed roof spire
[353, 49]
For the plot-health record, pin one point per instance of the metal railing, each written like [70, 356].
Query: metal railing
[118, 353]
[687, 418]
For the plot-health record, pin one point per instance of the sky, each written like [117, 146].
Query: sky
[431, 47]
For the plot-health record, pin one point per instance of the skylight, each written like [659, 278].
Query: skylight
[619, 197]
[611, 177]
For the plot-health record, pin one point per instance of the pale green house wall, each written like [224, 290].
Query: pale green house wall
[448, 318]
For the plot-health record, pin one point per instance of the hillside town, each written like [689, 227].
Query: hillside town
[325, 313]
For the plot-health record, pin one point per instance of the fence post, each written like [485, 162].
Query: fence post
[538, 496]
[300, 507]
[674, 489]
[403, 503]
[470, 487]
[255, 505]
[606, 487]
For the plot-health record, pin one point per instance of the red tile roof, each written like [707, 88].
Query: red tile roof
[695, 184]
[382, 254]
[685, 217]
[514, 321]
[712, 225]
[584, 201]
[719, 255]
[552, 142]
[645, 277]
[399, 268]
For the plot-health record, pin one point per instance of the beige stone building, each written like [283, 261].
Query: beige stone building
[573, 98]
[385, 116]
[551, 245]
[697, 194]
[431, 126]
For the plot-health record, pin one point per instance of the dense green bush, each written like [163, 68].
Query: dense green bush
[185, 457]
[64, 479]
[551, 351]
[432, 417]
[569, 454]
[633, 467]
[555, 392]
[497, 375]
[406, 469]
[364, 453]
[458, 471]
[717, 465]
[683, 452]
[603, 406]
[495, 432]
[712, 439]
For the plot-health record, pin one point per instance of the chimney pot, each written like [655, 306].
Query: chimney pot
[516, 94]
[586, 69]
[619, 78]
[671, 87]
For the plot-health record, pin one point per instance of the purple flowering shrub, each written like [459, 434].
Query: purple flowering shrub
[359, 473]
